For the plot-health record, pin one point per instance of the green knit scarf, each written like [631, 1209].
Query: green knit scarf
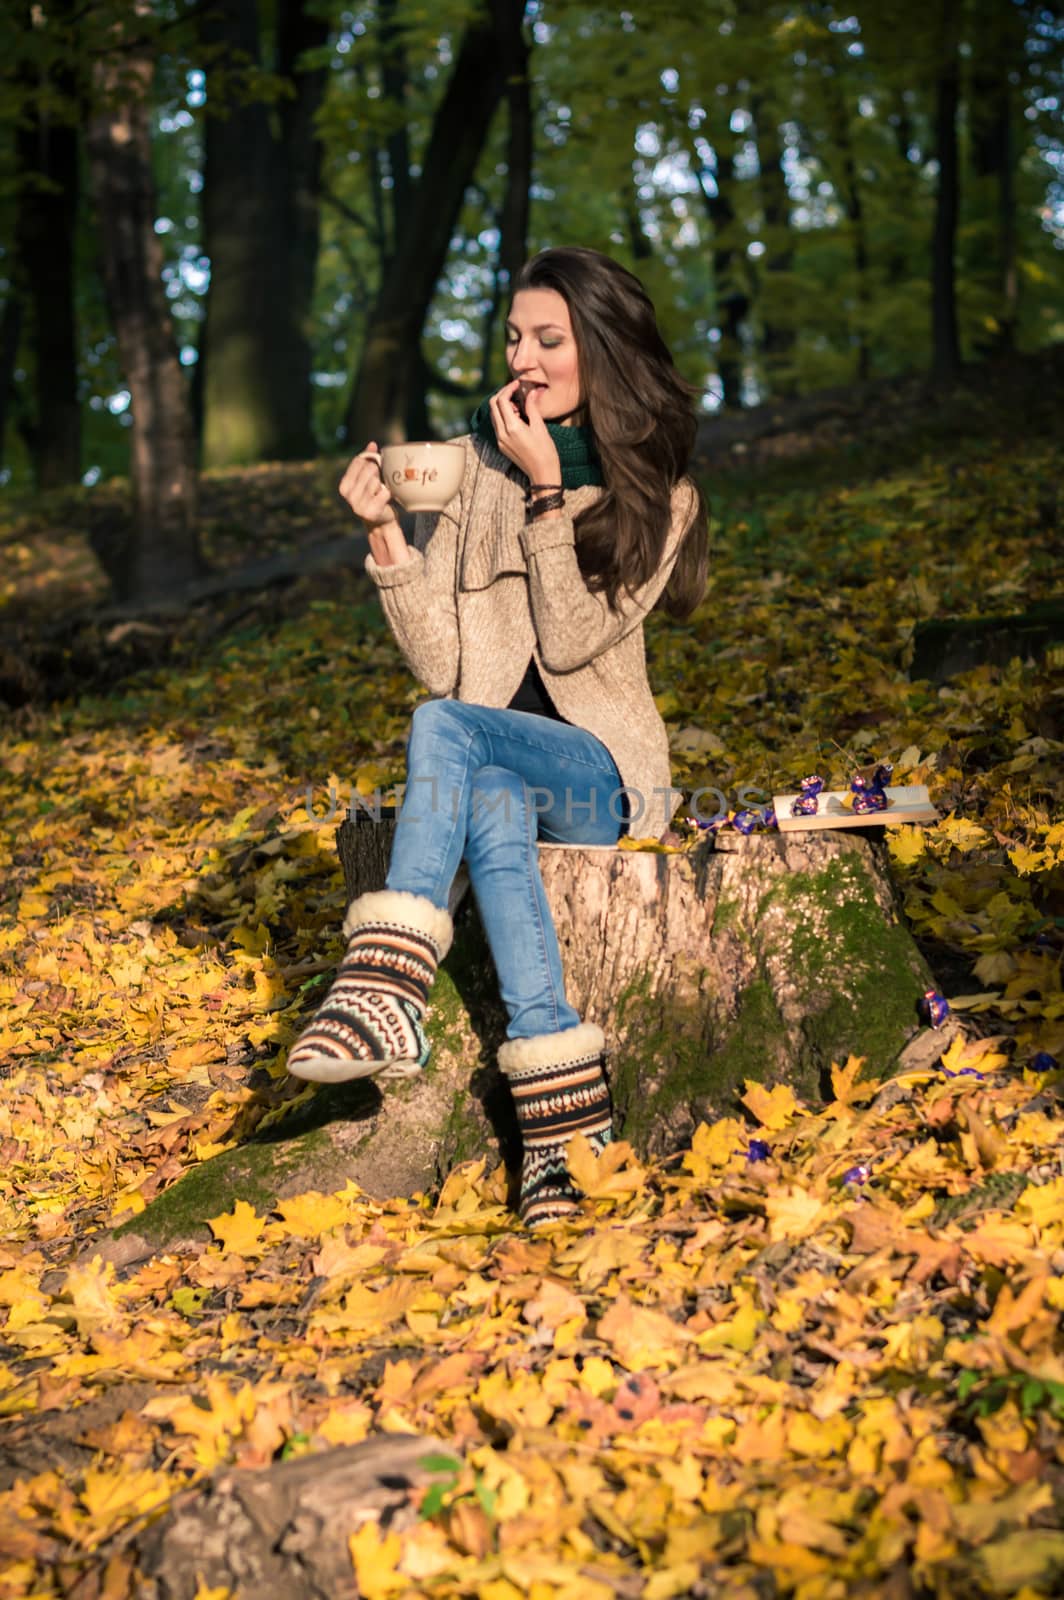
[575, 446]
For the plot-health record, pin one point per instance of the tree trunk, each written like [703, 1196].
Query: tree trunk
[946, 353]
[850, 193]
[389, 386]
[261, 229]
[394, 83]
[733, 302]
[10, 338]
[46, 151]
[514, 213]
[513, 228]
[999, 54]
[765, 958]
[777, 313]
[162, 552]
[896, 268]
[638, 241]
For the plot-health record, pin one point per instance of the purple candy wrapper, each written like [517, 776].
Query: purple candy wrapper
[807, 803]
[746, 821]
[869, 788]
[934, 1008]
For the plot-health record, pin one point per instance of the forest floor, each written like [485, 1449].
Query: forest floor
[827, 1367]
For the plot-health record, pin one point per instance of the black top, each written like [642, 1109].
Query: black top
[531, 695]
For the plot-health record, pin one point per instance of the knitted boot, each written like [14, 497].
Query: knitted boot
[559, 1089]
[371, 1017]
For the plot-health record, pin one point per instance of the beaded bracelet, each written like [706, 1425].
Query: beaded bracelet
[547, 502]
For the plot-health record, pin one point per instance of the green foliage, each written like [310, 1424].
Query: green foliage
[982, 1396]
[644, 120]
[447, 1491]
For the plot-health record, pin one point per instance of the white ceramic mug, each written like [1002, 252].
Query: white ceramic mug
[423, 477]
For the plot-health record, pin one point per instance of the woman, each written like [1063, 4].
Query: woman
[521, 607]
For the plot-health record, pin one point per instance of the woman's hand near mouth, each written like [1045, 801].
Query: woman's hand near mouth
[524, 439]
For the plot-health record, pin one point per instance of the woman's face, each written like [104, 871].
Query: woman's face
[541, 350]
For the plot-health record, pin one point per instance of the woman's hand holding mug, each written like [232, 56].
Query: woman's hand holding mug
[363, 488]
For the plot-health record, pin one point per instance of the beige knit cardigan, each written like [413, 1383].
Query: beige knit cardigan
[481, 592]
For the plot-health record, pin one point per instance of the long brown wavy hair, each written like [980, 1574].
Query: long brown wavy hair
[642, 419]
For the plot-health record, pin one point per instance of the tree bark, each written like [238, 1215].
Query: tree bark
[10, 338]
[47, 162]
[513, 216]
[638, 241]
[733, 302]
[850, 192]
[163, 549]
[283, 1530]
[389, 389]
[394, 83]
[513, 227]
[261, 228]
[999, 54]
[703, 969]
[778, 334]
[946, 353]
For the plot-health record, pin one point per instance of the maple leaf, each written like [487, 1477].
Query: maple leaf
[995, 967]
[239, 1231]
[553, 1305]
[792, 1212]
[640, 1337]
[1032, 1557]
[774, 1108]
[1042, 1204]
[906, 844]
[213, 1427]
[844, 1078]
[313, 1214]
[713, 1145]
[609, 1175]
[977, 1054]
[91, 1288]
[347, 1424]
[111, 1495]
[1026, 860]
[376, 1559]
[962, 834]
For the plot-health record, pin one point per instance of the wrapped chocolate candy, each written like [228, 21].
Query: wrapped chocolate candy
[934, 1008]
[869, 787]
[807, 802]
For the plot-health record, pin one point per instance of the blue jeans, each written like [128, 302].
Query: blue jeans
[481, 784]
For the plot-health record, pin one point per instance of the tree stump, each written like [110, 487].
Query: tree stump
[947, 646]
[767, 957]
[281, 1532]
